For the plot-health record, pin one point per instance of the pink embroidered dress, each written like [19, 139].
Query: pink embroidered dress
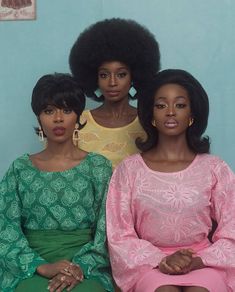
[151, 214]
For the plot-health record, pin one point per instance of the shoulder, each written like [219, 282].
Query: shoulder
[17, 166]
[98, 163]
[85, 116]
[212, 161]
[21, 162]
[131, 163]
[135, 124]
[217, 166]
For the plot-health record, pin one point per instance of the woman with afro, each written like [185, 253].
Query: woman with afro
[112, 60]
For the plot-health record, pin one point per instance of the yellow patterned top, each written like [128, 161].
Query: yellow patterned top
[114, 143]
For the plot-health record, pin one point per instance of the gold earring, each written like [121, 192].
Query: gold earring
[154, 123]
[40, 134]
[191, 120]
[76, 135]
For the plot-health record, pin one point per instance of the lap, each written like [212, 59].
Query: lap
[40, 284]
[211, 279]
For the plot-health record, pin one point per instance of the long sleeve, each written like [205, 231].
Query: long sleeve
[18, 260]
[93, 256]
[221, 254]
[131, 257]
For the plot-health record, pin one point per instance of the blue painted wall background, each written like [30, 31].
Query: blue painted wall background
[197, 36]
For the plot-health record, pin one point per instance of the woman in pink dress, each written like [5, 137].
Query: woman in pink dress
[161, 203]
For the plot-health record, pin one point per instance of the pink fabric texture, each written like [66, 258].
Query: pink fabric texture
[152, 214]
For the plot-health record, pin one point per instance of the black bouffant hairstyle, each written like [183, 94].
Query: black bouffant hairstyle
[199, 108]
[115, 39]
[60, 90]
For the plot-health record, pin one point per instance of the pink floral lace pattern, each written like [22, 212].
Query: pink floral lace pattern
[151, 214]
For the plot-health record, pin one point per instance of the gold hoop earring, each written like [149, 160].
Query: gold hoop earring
[191, 120]
[76, 135]
[154, 124]
[40, 134]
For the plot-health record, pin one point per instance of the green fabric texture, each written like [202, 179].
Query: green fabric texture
[39, 284]
[50, 202]
[54, 245]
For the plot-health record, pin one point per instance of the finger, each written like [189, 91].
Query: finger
[77, 275]
[72, 285]
[76, 272]
[188, 252]
[184, 261]
[168, 268]
[66, 271]
[56, 282]
[61, 287]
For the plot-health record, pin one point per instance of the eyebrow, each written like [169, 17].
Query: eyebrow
[119, 68]
[164, 98]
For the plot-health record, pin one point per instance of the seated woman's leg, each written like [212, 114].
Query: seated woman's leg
[168, 288]
[40, 284]
[195, 289]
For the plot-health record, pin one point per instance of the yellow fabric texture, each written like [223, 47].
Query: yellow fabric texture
[114, 143]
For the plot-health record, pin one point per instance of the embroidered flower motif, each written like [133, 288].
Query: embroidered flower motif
[113, 147]
[88, 137]
[178, 197]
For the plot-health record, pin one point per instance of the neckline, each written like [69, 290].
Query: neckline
[27, 155]
[168, 173]
[107, 128]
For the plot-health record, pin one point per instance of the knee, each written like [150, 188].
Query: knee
[168, 288]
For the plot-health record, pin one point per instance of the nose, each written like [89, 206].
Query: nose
[112, 80]
[171, 110]
[59, 117]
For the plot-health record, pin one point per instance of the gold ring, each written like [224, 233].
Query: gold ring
[62, 278]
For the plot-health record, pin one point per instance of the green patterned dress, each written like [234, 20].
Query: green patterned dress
[48, 216]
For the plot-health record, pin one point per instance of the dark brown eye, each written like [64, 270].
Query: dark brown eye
[160, 106]
[103, 75]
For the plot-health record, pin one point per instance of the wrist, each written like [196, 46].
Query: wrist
[42, 270]
[197, 263]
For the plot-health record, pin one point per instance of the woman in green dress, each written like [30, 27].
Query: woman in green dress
[52, 220]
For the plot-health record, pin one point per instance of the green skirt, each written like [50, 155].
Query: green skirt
[55, 245]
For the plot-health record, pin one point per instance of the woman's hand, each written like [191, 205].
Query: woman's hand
[177, 263]
[73, 270]
[61, 281]
[196, 264]
[51, 270]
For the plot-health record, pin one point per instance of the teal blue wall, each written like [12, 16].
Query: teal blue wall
[194, 35]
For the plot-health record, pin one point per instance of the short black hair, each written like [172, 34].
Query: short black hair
[199, 107]
[60, 90]
[114, 39]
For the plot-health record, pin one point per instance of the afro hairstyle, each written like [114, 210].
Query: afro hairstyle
[115, 39]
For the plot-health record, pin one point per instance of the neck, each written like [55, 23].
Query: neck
[173, 148]
[118, 108]
[60, 150]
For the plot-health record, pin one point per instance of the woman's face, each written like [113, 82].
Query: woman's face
[172, 111]
[58, 124]
[114, 81]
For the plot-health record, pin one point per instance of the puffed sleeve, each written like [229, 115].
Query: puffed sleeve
[130, 256]
[221, 254]
[93, 256]
[18, 260]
